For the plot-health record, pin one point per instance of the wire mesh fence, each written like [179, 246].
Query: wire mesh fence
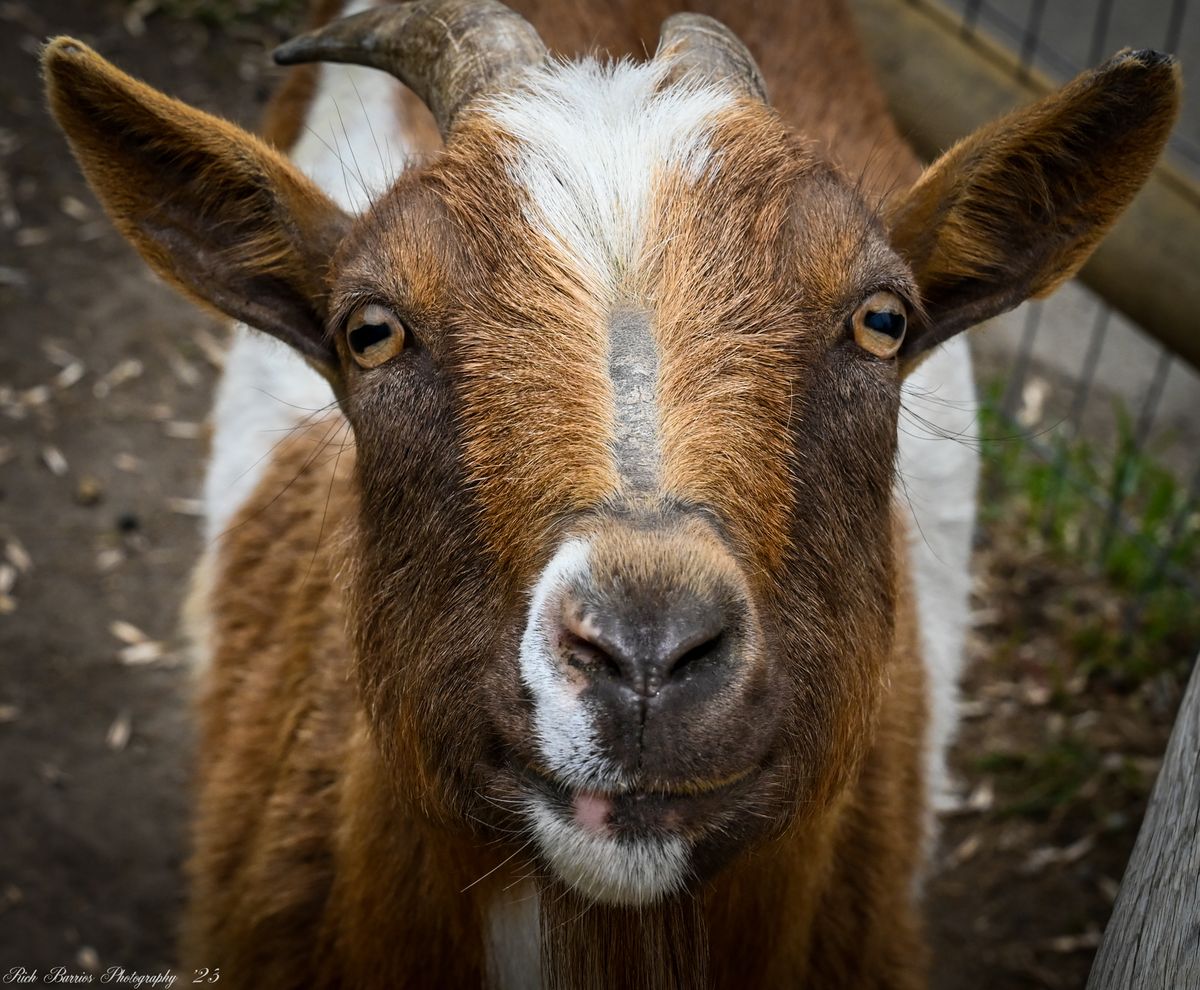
[1066, 36]
[1090, 425]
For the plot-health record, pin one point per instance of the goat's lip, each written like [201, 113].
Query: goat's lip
[679, 806]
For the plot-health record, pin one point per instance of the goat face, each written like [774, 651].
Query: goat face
[625, 573]
[623, 367]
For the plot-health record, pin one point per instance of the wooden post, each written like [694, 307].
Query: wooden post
[1153, 939]
[942, 85]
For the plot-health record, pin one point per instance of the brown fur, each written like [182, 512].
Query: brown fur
[256, 238]
[364, 713]
[1033, 193]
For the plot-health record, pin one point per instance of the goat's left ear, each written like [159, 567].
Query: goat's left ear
[1013, 210]
[213, 210]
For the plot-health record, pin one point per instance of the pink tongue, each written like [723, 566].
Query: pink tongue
[591, 811]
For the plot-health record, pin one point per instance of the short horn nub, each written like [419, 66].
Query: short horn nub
[703, 48]
[447, 51]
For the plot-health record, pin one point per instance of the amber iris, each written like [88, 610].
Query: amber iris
[879, 324]
[374, 335]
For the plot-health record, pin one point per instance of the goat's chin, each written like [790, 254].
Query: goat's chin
[624, 870]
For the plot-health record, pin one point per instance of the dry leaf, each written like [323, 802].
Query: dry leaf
[31, 398]
[1035, 695]
[183, 431]
[17, 555]
[123, 371]
[1075, 943]
[13, 278]
[1039, 859]
[210, 347]
[53, 458]
[69, 375]
[965, 850]
[57, 354]
[141, 653]
[76, 209]
[982, 798]
[183, 369]
[108, 559]
[88, 491]
[186, 506]
[87, 959]
[970, 710]
[136, 14]
[117, 737]
[31, 236]
[127, 632]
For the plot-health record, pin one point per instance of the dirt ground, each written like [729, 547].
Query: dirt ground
[104, 378]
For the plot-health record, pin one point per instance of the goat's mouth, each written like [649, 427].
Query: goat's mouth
[685, 809]
[631, 845]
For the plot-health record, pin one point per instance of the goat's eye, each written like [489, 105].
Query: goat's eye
[374, 335]
[879, 324]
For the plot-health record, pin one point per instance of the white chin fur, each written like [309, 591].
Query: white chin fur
[627, 872]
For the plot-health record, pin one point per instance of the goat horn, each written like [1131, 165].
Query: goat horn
[446, 51]
[703, 47]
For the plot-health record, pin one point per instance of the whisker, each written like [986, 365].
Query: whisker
[507, 859]
[328, 497]
[353, 154]
[266, 505]
[384, 167]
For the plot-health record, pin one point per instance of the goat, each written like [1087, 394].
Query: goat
[603, 653]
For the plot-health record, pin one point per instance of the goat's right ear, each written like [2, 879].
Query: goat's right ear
[212, 209]
[1013, 210]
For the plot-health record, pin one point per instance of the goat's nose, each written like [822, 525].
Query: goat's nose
[645, 646]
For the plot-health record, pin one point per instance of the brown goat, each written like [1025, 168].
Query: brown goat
[603, 655]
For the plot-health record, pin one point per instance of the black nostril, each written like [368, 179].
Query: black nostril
[644, 646]
[591, 657]
[695, 656]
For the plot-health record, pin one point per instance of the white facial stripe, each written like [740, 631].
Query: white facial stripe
[591, 139]
[608, 870]
[566, 733]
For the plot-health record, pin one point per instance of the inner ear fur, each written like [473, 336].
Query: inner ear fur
[212, 209]
[1016, 208]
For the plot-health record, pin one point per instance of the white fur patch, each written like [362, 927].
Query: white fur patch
[566, 733]
[514, 957]
[609, 870]
[263, 394]
[591, 139]
[939, 470]
[353, 147]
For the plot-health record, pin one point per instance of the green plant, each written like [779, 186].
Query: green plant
[1116, 516]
